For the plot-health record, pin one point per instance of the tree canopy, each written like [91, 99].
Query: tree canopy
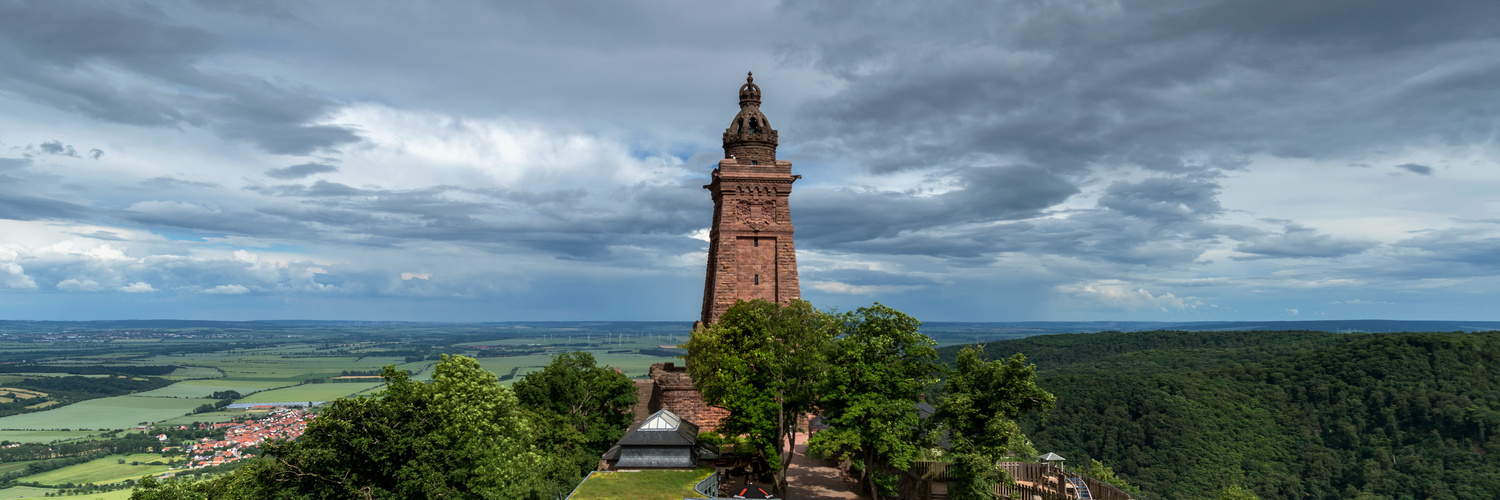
[980, 403]
[763, 362]
[581, 408]
[877, 371]
[461, 435]
[1312, 415]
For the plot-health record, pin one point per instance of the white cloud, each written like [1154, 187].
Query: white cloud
[468, 151]
[246, 257]
[840, 287]
[137, 287]
[77, 285]
[415, 276]
[1120, 294]
[1360, 302]
[227, 290]
[1293, 312]
[14, 277]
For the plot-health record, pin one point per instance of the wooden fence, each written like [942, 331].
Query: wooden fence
[1039, 475]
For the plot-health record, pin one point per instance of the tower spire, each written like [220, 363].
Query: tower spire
[750, 250]
[750, 137]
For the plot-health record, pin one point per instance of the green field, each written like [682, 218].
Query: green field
[634, 365]
[18, 492]
[120, 412]
[10, 467]
[103, 471]
[203, 388]
[213, 416]
[195, 372]
[41, 436]
[275, 358]
[309, 392]
[288, 364]
[112, 495]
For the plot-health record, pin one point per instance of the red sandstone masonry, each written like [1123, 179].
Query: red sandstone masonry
[750, 250]
[674, 391]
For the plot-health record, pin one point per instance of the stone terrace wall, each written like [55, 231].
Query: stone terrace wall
[673, 389]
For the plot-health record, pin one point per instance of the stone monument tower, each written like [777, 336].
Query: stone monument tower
[750, 250]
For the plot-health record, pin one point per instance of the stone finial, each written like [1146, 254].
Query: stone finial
[749, 92]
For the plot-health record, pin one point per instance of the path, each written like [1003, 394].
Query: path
[809, 479]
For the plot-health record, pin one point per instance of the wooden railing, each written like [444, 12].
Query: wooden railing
[931, 471]
[1035, 473]
[1039, 475]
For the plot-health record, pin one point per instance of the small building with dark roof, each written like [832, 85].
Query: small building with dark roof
[662, 440]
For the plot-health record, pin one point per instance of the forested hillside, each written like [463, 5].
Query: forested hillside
[1289, 414]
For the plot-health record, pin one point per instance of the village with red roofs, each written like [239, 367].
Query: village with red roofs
[241, 436]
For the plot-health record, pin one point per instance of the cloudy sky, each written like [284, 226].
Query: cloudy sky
[985, 160]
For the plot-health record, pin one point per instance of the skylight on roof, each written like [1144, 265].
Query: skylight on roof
[661, 421]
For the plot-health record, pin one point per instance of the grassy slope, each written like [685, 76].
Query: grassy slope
[41, 436]
[17, 492]
[641, 485]
[102, 471]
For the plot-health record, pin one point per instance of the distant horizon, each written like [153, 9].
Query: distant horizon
[1495, 324]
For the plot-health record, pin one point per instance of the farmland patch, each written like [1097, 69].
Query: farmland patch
[119, 412]
[104, 470]
[310, 392]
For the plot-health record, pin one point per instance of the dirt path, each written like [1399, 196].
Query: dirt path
[808, 479]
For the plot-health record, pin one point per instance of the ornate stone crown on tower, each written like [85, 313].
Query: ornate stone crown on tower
[750, 250]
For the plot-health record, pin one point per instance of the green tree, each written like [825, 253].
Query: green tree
[1098, 470]
[1235, 493]
[580, 408]
[763, 362]
[980, 403]
[460, 436]
[237, 485]
[876, 374]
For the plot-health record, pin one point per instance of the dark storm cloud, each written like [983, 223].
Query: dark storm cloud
[21, 207]
[1165, 199]
[1415, 168]
[1162, 85]
[1186, 88]
[174, 183]
[301, 170]
[563, 223]
[841, 216]
[1460, 252]
[1296, 241]
[1155, 221]
[129, 63]
[23, 198]
[56, 148]
[102, 235]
